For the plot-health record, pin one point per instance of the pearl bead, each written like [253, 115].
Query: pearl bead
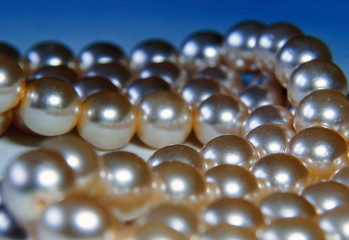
[327, 108]
[201, 49]
[296, 51]
[325, 196]
[323, 150]
[151, 51]
[180, 153]
[314, 75]
[10, 52]
[156, 231]
[62, 72]
[263, 79]
[164, 119]
[127, 185]
[77, 217]
[108, 121]
[229, 149]
[232, 181]
[33, 181]
[342, 176]
[292, 228]
[12, 84]
[228, 232]
[270, 138]
[240, 43]
[281, 172]
[5, 121]
[219, 115]
[50, 107]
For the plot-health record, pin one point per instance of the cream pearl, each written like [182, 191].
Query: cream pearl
[5, 121]
[228, 232]
[156, 231]
[50, 107]
[62, 72]
[219, 115]
[164, 119]
[12, 84]
[108, 121]
[342, 176]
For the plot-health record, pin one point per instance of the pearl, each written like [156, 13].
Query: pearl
[77, 217]
[264, 79]
[151, 51]
[323, 150]
[228, 232]
[50, 107]
[240, 43]
[33, 181]
[180, 153]
[12, 84]
[292, 228]
[139, 88]
[219, 115]
[296, 51]
[156, 231]
[314, 75]
[270, 138]
[10, 52]
[164, 119]
[127, 185]
[201, 49]
[232, 181]
[325, 196]
[342, 176]
[62, 72]
[108, 121]
[229, 149]
[281, 172]
[5, 121]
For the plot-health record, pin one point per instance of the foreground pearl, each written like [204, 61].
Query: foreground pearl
[228, 232]
[5, 121]
[164, 119]
[108, 121]
[156, 231]
[62, 72]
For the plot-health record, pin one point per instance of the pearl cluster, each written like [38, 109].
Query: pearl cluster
[268, 157]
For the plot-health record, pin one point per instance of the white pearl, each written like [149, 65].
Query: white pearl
[228, 232]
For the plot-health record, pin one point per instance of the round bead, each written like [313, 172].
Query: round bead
[155, 231]
[12, 83]
[323, 150]
[240, 43]
[50, 107]
[5, 121]
[164, 119]
[61, 72]
[342, 176]
[228, 232]
[10, 52]
[108, 121]
[314, 75]
[219, 115]
[296, 51]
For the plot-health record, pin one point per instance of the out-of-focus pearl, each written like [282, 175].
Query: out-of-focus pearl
[270, 138]
[164, 119]
[232, 181]
[240, 43]
[228, 232]
[10, 52]
[77, 217]
[323, 150]
[292, 228]
[285, 205]
[233, 211]
[156, 231]
[325, 196]
[139, 88]
[100, 53]
[108, 121]
[62, 72]
[314, 75]
[33, 181]
[266, 115]
[270, 41]
[152, 51]
[201, 49]
[281, 172]
[219, 115]
[79, 155]
[326, 107]
[229, 149]
[5, 121]
[50, 107]
[12, 83]
[342, 176]
[127, 185]
[179, 153]
[296, 51]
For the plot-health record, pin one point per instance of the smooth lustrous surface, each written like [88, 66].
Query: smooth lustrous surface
[62, 72]
[10, 51]
[228, 232]
[156, 231]
[5, 121]
[108, 121]
[219, 115]
[50, 107]
[342, 176]
[164, 119]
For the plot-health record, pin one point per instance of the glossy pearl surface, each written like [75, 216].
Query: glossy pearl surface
[164, 119]
[10, 52]
[50, 107]
[296, 51]
[342, 176]
[108, 121]
[314, 75]
[156, 231]
[5, 121]
[228, 232]
[219, 115]
[62, 72]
